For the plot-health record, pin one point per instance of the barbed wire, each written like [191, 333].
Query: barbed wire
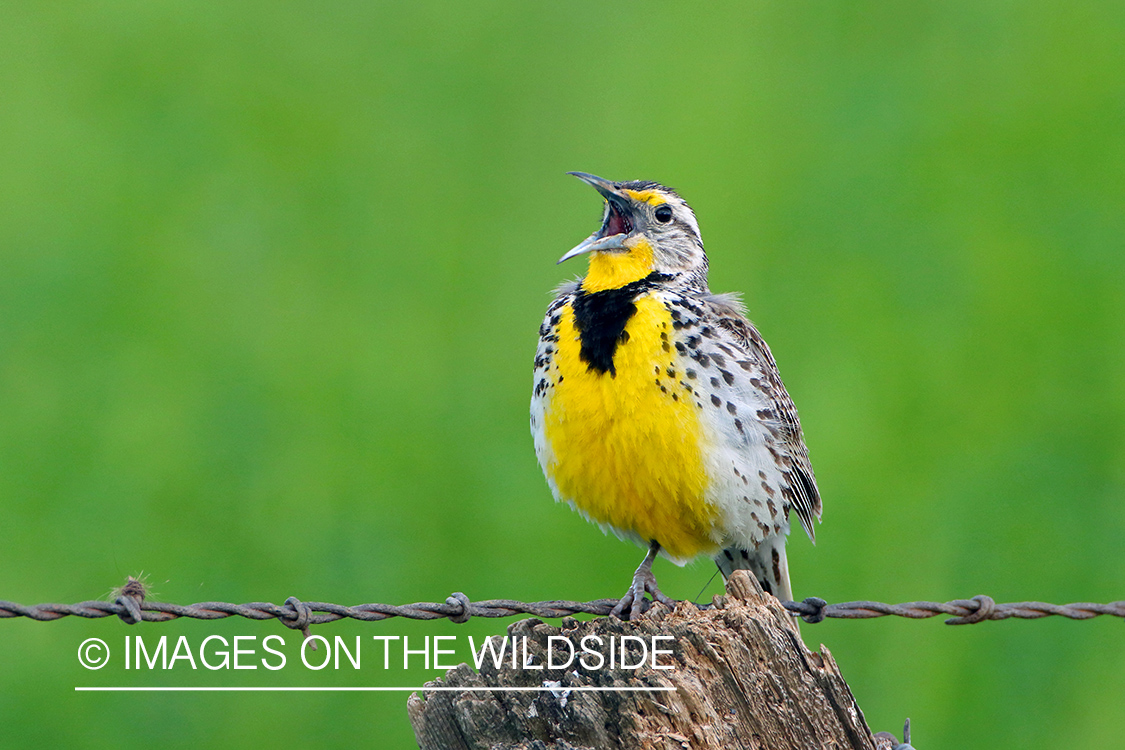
[130, 605]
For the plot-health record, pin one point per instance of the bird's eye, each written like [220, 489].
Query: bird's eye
[664, 214]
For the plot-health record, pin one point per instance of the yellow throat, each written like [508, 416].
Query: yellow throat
[615, 270]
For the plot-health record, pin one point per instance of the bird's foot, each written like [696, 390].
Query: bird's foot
[634, 600]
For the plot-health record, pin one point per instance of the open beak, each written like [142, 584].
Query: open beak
[616, 226]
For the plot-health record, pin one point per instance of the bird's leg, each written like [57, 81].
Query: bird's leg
[643, 581]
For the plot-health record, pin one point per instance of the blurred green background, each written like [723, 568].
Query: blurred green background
[271, 277]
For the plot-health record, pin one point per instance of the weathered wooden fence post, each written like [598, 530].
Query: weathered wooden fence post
[742, 679]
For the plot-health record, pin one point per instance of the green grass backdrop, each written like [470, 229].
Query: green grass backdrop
[271, 276]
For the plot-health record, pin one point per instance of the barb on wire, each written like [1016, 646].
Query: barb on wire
[132, 607]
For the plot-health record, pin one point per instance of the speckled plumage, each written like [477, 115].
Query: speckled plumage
[657, 408]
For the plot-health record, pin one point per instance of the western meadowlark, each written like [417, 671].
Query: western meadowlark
[658, 411]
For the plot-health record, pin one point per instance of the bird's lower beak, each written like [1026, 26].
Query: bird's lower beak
[594, 243]
[617, 225]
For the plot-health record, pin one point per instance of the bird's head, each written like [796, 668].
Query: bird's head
[647, 228]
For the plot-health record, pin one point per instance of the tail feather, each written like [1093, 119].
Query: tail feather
[767, 563]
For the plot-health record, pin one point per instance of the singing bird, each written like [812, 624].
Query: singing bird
[658, 411]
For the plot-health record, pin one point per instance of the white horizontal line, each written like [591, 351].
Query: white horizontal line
[171, 689]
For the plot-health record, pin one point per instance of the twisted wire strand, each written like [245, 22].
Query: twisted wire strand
[131, 607]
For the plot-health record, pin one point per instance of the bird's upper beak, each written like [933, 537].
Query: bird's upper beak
[618, 219]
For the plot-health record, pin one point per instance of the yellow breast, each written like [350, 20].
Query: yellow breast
[627, 446]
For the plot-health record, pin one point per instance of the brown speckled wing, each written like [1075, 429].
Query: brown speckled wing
[802, 493]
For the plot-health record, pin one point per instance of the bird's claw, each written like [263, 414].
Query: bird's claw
[634, 600]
